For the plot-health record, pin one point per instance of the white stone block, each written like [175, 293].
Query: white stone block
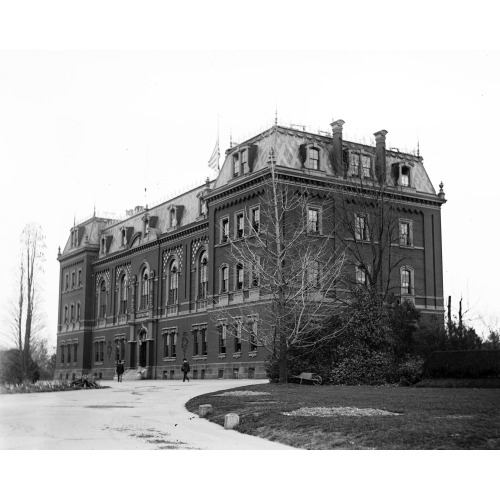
[231, 420]
[204, 410]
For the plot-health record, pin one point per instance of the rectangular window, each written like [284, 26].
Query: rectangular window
[62, 354]
[313, 274]
[237, 337]
[75, 352]
[173, 344]
[73, 280]
[353, 164]
[236, 165]
[256, 219]
[69, 353]
[360, 228]
[255, 272]
[222, 338]
[225, 279]
[244, 161]
[66, 282]
[224, 235]
[313, 220]
[365, 165]
[405, 233]
[239, 277]
[166, 347]
[196, 340]
[204, 347]
[240, 226]
[253, 336]
[313, 159]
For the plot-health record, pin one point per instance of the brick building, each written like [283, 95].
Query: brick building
[147, 289]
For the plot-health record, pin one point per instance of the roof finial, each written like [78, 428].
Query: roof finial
[276, 117]
[94, 209]
[231, 139]
[418, 146]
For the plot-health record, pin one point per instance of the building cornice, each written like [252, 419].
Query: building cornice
[180, 234]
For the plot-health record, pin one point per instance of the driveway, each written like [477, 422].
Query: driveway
[132, 415]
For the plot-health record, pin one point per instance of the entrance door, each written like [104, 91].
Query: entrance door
[142, 354]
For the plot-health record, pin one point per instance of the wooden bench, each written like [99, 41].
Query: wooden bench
[311, 377]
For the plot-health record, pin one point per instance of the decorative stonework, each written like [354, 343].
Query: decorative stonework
[176, 252]
[195, 246]
[99, 275]
[119, 270]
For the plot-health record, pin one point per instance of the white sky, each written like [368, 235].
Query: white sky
[85, 128]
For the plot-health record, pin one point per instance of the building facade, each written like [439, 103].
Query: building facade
[150, 289]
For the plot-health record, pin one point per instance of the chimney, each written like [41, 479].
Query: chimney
[380, 167]
[337, 165]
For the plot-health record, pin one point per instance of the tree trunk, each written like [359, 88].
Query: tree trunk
[283, 367]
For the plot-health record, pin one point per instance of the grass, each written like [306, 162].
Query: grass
[40, 386]
[430, 418]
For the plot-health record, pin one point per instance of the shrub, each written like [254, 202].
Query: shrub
[409, 371]
[463, 364]
[375, 369]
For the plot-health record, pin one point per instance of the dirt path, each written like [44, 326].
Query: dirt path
[147, 414]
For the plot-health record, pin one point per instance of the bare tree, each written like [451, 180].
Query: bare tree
[26, 316]
[290, 257]
[368, 222]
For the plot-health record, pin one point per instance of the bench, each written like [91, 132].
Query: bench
[311, 377]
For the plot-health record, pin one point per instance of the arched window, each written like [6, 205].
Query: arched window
[407, 281]
[65, 314]
[145, 288]
[78, 311]
[103, 296]
[203, 276]
[173, 286]
[124, 294]
[72, 315]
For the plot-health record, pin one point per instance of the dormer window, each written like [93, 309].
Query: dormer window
[124, 236]
[405, 176]
[244, 161]
[313, 159]
[401, 174]
[360, 165]
[103, 244]
[236, 165]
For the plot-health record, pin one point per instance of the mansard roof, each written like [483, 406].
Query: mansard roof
[286, 144]
[187, 210]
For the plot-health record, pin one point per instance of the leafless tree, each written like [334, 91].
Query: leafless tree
[26, 315]
[290, 257]
[368, 227]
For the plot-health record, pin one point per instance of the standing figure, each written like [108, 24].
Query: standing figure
[119, 370]
[185, 368]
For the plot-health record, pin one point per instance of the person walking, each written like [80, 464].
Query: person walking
[119, 370]
[185, 368]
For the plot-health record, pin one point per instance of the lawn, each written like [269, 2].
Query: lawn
[418, 418]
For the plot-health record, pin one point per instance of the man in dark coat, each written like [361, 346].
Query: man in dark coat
[119, 370]
[185, 368]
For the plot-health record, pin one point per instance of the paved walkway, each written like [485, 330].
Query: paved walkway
[146, 414]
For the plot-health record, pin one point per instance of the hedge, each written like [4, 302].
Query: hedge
[463, 364]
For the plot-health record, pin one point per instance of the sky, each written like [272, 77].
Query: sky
[85, 129]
